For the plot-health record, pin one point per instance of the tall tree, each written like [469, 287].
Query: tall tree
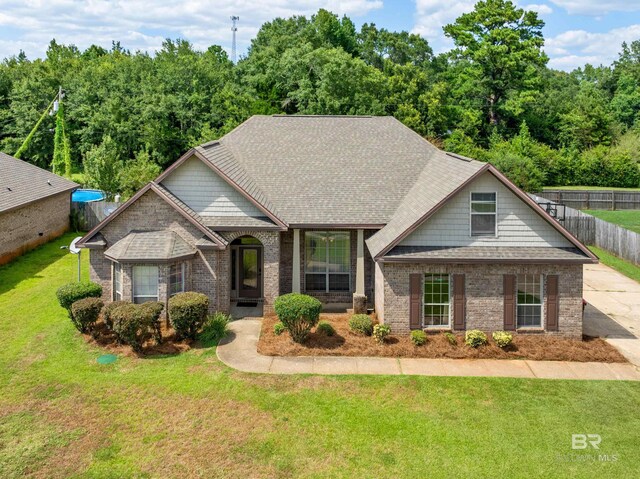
[500, 48]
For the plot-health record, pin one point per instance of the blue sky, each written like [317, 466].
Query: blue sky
[576, 32]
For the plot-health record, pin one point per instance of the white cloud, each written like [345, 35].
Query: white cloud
[598, 7]
[574, 48]
[542, 9]
[143, 24]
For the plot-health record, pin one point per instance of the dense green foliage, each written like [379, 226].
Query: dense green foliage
[475, 338]
[299, 313]
[215, 328]
[108, 310]
[418, 337]
[361, 324]
[130, 325]
[127, 115]
[279, 328]
[69, 293]
[502, 338]
[85, 312]
[187, 313]
[325, 328]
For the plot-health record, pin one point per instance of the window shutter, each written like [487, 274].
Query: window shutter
[458, 302]
[415, 300]
[509, 291]
[552, 303]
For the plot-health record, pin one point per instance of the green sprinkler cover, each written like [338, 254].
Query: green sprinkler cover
[107, 359]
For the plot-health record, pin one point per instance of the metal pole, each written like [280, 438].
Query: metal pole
[79, 253]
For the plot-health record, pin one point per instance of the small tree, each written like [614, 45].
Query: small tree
[299, 313]
[137, 173]
[102, 167]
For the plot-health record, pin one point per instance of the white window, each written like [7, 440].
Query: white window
[117, 282]
[145, 284]
[529, 305]
[327, 261]
[437, 301]
[483, 214]
[176, 278]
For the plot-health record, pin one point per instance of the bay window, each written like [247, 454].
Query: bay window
[176, 278]
[145, 284]
[117, 282]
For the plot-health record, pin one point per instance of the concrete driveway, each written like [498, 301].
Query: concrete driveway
[614, 309]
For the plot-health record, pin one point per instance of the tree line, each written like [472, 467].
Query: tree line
[128, 114]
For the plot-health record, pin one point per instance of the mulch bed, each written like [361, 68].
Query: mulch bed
[105, 338]
[346, 343]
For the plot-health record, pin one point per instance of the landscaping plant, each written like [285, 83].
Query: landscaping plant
[299, 313]
[380, 332]
[279, 328]
[85, 313]
[215, 327]
[361, 323]
[108, 309]
[502, 338]
[69, 293]
[130, 325]
[418, 337]
[187, 313]
[152, 311]
[326, 328]
[475, 338]
[451, 338]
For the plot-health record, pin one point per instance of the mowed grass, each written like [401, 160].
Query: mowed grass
[629, 219]
[625, 267]
[63, 415]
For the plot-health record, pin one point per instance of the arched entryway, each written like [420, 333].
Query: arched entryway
[246, 269]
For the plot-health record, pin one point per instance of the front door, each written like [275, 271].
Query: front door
[250, 274]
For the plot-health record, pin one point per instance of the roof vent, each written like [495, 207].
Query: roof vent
[49, 182]
[8, 188]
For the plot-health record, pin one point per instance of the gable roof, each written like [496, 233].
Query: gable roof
[421, 203]
[22, 183]
[173, 201]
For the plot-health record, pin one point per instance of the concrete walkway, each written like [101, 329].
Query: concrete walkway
[614, 309]
[239, 351]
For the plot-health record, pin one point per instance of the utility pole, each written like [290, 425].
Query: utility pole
[234, 29]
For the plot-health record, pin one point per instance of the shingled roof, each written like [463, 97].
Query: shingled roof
[22, 183]
[143, 246]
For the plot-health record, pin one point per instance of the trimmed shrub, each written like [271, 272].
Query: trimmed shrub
[326, 328]
[215, 327]
[380, 332]
[69, 293]
[475, 338]
[108, 310]
[418, 337]
[279, 328]
[451, 338]
[361, 324]
[152, 311]
[130, 324]
[85, 313]
[187, 313]
[502, 338]
[299, 313]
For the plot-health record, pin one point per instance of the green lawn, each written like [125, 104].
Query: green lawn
[624, 267]
[63, 415]
[629, 219]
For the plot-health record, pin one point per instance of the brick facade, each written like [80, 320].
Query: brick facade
[484, 294]
[34, 224]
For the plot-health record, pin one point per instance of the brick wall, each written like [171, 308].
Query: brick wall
[484, 294]
[286, 267]
[25, 228]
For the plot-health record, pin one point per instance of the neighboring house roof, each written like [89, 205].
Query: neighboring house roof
[483, 254]
[167, 196]
[22, 183]
[145, 246]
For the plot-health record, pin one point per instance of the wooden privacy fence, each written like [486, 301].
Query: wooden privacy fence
[593, 231]
[595, 200]
[92, 213]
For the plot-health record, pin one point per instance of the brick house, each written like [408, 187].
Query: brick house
[34, 206]
[352, 210]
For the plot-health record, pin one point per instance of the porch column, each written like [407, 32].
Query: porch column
[360, 264]
[295, 274]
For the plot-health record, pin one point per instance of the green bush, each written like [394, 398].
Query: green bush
[326, 328]
[299, 313]
[279, 328]
[380, 333]
[187, 313]
[71, 292]
[475, 338]
[418, 337]
[85, 313]
[152, 311]
[361, 323]
[215, 327]
[502, 338]
[451, 338]
[131, 326]
[108, 310]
